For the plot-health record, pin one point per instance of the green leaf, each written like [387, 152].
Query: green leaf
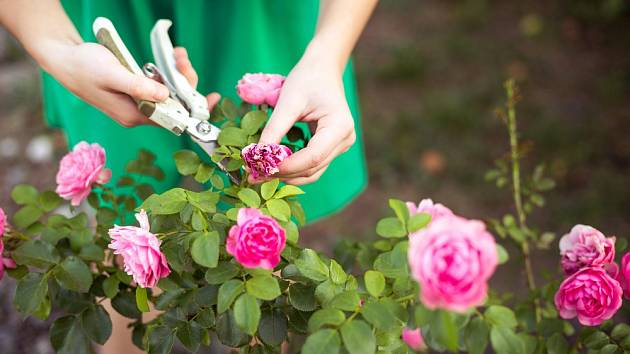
[252, 121]
[67, 337]
[96, 324]
[609, 349]
[186, 161]
[92, 252]
[302, 297]
[222, 273]
[323, 317]
[620, 331]
[374, 282]
[444, 329]
[204, 173]
[233, 136]
[36, 253]
[337, 274]
[110, 286]
[228, 331]
[347, 301]
[206, 318]
[205, 249]
[288, 190]
[247, 313]
[24, 194]
[189, 334]
[418, 221]
[30, 292]
[125, 304]
[502, 253]
[249, 197]
[476, 336]
[279, 209]
[500, 316]
[504, 340]
[596, 340]
[228, 108]
[378, 315]
[49, 200]
[358, 337]
[228, 293]
[73, 274]
[324, 341]
[169, 202]
[264, 287]
[391, 228]
[160, 339]
[400, 208]
[26, 216]
[273, 327]
[557, 344]
[141, 299]
[311, 266]
[268, 188]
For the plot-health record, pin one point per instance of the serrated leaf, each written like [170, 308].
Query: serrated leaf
[73, 274]
[374, 282]
[391, 227]
[249, 197]
[96, 323]
[186, 161]
[252, 121]
[279, 209]
[268, 188]
[205, 249]
[324, 341]
[30, 292]
[263, 287]
[288, 190]
[36, 253]
[358, 337]
[228, 293]
[247, 313]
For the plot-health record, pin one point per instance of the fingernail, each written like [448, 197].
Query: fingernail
[160, 92]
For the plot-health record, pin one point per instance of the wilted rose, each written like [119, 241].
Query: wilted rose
[452, 259]
[591, 294]
[257, 240]
[140, 250]
[585, 246]
[260, 88]
[79, 170]
[263, 160]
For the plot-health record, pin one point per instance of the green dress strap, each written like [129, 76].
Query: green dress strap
[225, 39]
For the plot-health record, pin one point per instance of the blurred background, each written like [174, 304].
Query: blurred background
[430, 77]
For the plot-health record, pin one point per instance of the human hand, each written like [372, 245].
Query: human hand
[313, 93]
[93, 73]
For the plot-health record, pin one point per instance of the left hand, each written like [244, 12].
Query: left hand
[313, 92]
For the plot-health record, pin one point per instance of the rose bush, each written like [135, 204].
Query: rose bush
[225, 259]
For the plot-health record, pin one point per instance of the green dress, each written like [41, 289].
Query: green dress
[225, 39]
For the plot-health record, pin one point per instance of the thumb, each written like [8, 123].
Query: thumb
[284, 115]
[136, 86]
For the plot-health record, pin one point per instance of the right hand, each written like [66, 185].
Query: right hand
[94, 74]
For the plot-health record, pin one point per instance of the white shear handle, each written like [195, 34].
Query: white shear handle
[106, 34]
[164, 56]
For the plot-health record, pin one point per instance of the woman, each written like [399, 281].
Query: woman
[225, 39]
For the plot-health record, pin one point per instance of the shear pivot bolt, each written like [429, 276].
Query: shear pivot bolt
[204, 127]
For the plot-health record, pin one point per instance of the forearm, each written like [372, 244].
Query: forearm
[339, 26]
[42, 27]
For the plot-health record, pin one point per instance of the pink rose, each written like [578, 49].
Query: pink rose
[3, 221]
[264, 159]
[140, 250]
[585, 246]
[257, 240]
[624, 275]
[260, 88]
[427, 206]
[452, 260]
[413, 338]
[79, 170]
[591, 294]
[5, 262]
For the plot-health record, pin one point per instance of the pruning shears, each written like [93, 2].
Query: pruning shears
[185, 110]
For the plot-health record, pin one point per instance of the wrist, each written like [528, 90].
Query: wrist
[52, 54]
[323, 55]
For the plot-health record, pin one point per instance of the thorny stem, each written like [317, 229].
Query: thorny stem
[510, 87]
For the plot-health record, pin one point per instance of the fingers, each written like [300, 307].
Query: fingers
[183, 64]
[139, 87]
[213, 99]
[285, 114]
[122, 109]
[305, 180]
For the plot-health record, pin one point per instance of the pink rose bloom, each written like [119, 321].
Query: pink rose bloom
[585, 246]
[452, 260]
[413, 338]
[3, 221]
[591, 294]
[79, 170]
[624, 275]
[260, 88]
[264, 159]
[257, 240]
[5, 262]
[427, 206]
[140, 250]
